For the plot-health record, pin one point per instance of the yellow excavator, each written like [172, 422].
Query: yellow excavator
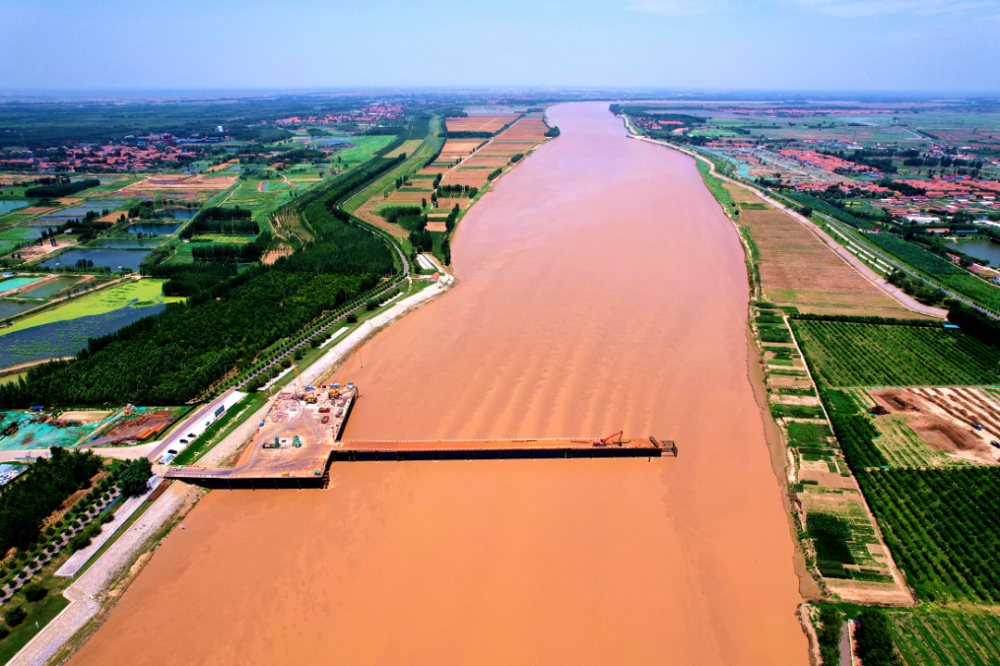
[335, 388]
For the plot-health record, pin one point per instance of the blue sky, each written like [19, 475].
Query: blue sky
[936, 46]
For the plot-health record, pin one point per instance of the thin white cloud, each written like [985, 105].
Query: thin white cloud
[677, 7]
[852, 8]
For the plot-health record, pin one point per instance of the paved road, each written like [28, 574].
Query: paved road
[194, 423]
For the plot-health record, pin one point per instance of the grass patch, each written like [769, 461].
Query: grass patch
[42, 613]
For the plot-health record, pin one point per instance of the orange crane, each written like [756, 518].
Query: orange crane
[607, 440]
[310, 397]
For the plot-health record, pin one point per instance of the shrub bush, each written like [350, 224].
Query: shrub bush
[78, 542]
[15, 616]
[35, 592]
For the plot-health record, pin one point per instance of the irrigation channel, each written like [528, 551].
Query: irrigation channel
[601, 287]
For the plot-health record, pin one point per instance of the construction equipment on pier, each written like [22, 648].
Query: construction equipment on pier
[313, 427]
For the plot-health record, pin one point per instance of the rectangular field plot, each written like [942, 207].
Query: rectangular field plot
[946, 637]
[484, 161]
[798, 269]
[877, 355]
[530, 129]
[942, 527]
[407, 147]
[480, 122]
[849, 556]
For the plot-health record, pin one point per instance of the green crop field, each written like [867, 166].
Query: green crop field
[941, 525]
[219, 238]
[941, 270]
[936, 636]
[833, 211]
[364, 148]
[857, 354]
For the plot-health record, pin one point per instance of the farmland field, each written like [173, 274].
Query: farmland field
[941, 270]
[941, 525]
[66, 337]
[937, 636]
[407, 147]
[858, 354]
[797, 268]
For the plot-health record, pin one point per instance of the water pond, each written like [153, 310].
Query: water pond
[125, 243]
[179, 213]
[66, 338]
[14, 283]
[7, 205]
[9, 308]
[50, 288]
[980, 249]
[101, 257]
[154, 228]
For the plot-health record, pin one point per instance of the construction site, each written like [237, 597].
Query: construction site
[291, 447]
[300, 439]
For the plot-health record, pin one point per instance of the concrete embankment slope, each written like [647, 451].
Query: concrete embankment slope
[86, 592]
[601, 289]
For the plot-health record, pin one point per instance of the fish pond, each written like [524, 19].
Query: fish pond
[50, 288]
[154, 228]
[14, 283]
[11, 308]
[125, 243]
[8, 205]
[67, 337]
[178, 213]
[101, 257]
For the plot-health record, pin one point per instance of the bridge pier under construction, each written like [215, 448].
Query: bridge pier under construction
[299, 440]
[439, 450]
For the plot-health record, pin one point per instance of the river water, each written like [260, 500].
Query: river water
[601, 289]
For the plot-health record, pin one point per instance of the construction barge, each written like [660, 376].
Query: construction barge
[300, 439]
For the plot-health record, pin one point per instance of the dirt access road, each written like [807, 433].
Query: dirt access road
[600, 288]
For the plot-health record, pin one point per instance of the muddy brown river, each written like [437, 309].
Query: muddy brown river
[601, 288]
